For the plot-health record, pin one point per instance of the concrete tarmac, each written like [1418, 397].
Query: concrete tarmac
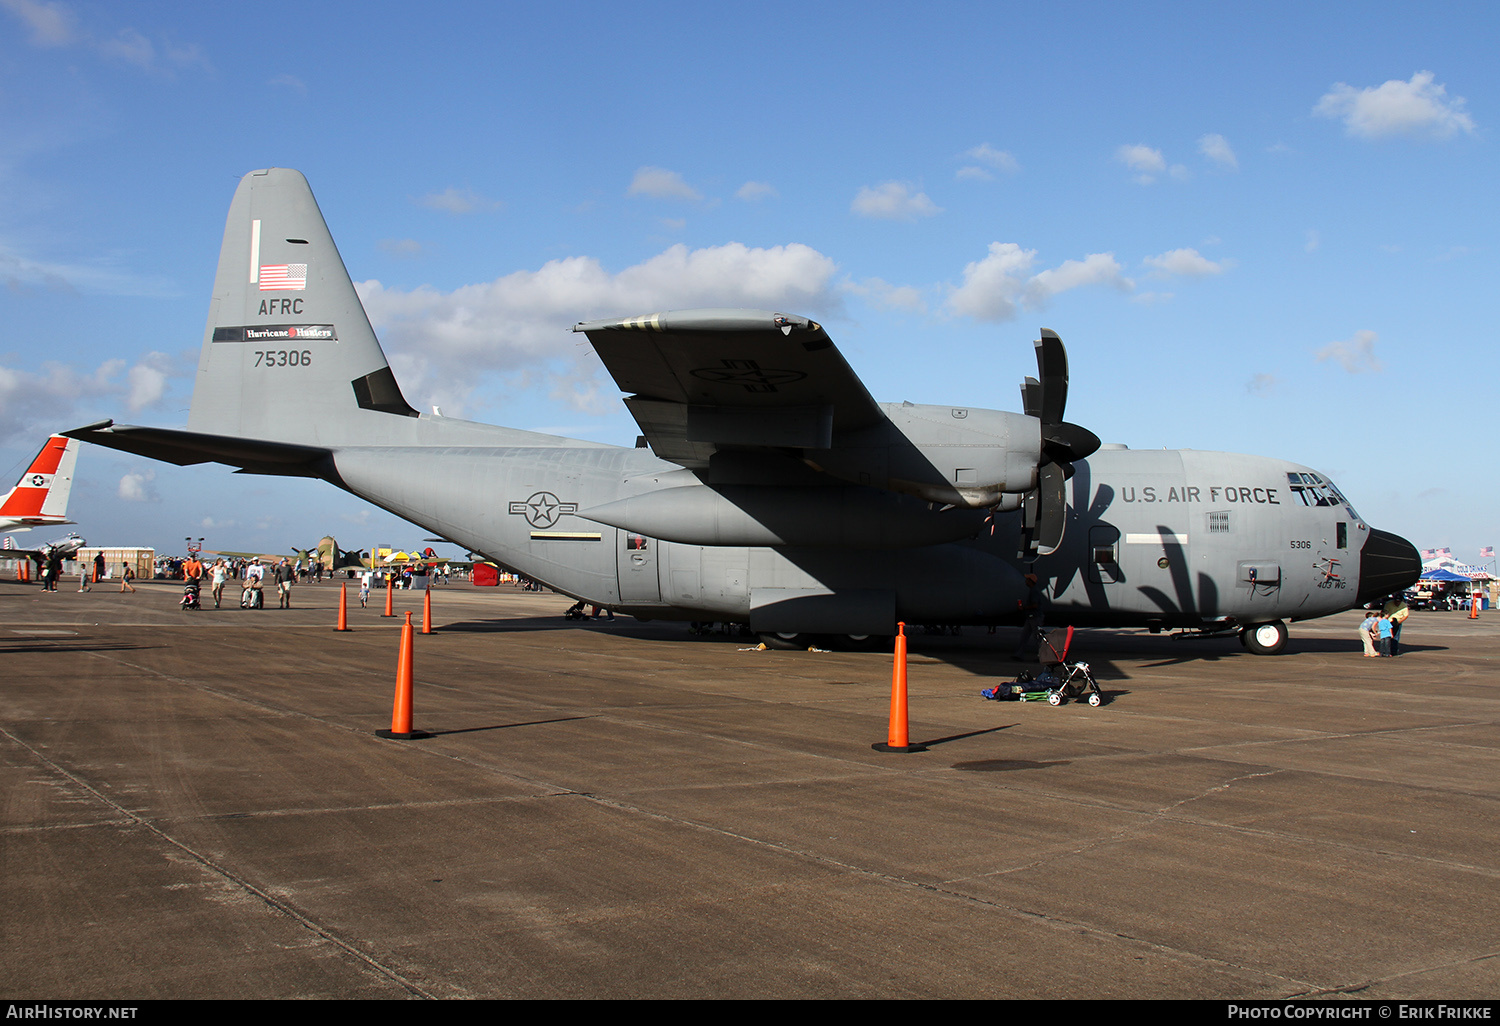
[196, 806]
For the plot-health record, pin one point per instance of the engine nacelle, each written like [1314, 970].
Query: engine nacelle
[950, 455]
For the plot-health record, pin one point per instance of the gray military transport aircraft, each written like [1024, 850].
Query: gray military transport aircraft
[775, 491]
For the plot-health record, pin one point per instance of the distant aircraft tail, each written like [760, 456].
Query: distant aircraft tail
[288, 353]
[41, 496]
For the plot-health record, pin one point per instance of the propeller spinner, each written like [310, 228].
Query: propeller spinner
[1045, 397]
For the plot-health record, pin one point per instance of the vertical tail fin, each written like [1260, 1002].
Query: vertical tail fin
[41, 496]
[288, 353]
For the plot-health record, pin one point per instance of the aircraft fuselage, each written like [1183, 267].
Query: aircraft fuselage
[1169, 538]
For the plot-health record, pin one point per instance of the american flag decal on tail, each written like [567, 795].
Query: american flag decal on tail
[279, 277]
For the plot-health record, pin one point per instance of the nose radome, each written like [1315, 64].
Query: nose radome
[1388, 564]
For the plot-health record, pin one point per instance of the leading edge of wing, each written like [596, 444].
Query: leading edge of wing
[186, 448]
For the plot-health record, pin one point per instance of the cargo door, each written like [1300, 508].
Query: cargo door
[637, 568]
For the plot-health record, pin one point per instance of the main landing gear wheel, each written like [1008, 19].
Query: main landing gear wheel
[1264, 638]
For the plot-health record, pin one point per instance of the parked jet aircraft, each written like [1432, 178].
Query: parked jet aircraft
[775, 491]
[40, 498]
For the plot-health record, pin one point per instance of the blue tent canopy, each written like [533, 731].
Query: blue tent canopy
[1437, 573]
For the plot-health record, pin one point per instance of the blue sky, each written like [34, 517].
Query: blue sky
[1263, 228]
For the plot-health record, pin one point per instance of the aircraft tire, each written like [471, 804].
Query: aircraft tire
[1264, 638]
[863, 642]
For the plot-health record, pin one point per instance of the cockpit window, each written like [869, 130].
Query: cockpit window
[1313, 490]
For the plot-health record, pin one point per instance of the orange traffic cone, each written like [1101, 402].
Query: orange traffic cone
[427, 611]
[390, 597]
[343, 608]
[898, 739]
[401, 728]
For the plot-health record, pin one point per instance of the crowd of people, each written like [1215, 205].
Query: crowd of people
[1380, 630]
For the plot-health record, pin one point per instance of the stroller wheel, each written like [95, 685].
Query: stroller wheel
[1094, 700]
[1053, 698]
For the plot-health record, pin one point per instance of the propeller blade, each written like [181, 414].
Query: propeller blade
[1052, 369]
[1031, 397]
[1052, 508]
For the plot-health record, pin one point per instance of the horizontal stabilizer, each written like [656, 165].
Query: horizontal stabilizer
[186, 448]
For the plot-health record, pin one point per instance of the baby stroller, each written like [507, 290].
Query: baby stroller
[190, 596]
[1059, 680]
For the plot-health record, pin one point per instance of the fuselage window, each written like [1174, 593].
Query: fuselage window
[1343, 534]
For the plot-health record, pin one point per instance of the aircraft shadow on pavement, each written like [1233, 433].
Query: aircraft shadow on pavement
[32, 645]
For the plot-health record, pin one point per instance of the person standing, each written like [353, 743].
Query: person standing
[1383, 629]
[217, 575]
[1396, 610]
[1367, 635]
[284, 574]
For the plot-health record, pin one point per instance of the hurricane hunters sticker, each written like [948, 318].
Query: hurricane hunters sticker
[277, 333]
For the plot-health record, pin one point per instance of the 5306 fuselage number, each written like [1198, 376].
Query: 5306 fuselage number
[283, 358]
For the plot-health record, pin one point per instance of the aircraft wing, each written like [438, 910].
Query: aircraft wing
[246, 555]
[186, 448]
[707, 379]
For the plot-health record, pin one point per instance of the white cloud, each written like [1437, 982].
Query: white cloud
[995, 287]
[1152, 298]
[659, 183]
[460, 201]
[1094, 269]
[752, 191]
[1354, 355]
[893, 201]
[1262, 384]
[1143, 160]
[1187, 262]
[399, 247]
[54, 24]
[39, 402]
[1418, 108]
[991, 159]
[1216, 148]
[147, 381]
[440, 342]
[887, 296]
[20, 273]
[291, 82]
[136, 486]
[51, 24]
